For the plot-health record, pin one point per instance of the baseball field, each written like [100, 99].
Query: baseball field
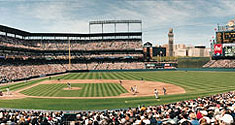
[103, 90]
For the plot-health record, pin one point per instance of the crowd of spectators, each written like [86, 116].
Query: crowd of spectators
[223, 63]
[117, 65]
[13, 71]
[208, 64]
[114, 55]
[91, 45]
[74, 45]
[213, 110]
[15, 42]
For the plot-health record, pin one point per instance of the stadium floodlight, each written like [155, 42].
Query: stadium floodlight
[114, 22]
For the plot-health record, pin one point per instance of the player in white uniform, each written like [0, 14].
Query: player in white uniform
[8, 90]
[135, 89]
[156, 93]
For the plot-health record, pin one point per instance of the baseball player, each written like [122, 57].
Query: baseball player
[8, 90]
[1, 94]
[164, 90]
[120, 81]
[132, 90]
[156, 93]
[135, 89]
[69, 85]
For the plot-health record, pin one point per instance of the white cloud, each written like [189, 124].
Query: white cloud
[187, 17]
[55, 16]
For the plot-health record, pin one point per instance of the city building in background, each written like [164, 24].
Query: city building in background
[181, 50]
[171, 40]
[150, 51]
[159, 51]
[167, 48]
[199, 51]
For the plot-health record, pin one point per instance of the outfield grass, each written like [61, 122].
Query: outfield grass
[20, 85]
[195, 83]
[88, 90]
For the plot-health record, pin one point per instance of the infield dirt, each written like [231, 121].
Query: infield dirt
[144, 88]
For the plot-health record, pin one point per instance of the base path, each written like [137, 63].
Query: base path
[144, 88]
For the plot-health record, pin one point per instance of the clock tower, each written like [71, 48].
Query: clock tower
[171, 40]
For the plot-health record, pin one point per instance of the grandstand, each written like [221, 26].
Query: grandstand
[25, 55]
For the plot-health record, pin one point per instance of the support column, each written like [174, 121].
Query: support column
[115, 28]
[89, 28]
[102, 30]
[102, 27]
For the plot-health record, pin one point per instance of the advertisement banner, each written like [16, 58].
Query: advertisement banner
[218, 49]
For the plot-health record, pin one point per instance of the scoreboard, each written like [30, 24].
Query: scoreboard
[224, 47]
[229, 50]
[225, 40]
[225, 37]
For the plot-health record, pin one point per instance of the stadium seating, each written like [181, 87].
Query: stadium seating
[14, 71]
[223, 63]
[87, 45]
[113, 54]
[15, 42]
[75, 45]
[217, 109]
[209, 63]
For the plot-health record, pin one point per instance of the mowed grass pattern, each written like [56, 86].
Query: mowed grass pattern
[196, 84]
[192, 82]
[87, 90]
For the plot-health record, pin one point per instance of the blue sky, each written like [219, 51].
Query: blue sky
[193, 20]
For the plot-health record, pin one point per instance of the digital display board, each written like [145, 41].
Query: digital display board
[229, 51]
[219, 37]
[225, 37]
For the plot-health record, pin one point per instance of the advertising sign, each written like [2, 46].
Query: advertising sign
[218, 49]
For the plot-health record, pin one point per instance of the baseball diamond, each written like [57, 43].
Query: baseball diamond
[106, 95]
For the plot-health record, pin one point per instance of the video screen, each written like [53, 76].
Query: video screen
[229, 51]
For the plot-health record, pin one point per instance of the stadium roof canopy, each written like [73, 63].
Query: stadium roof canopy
[13, 31]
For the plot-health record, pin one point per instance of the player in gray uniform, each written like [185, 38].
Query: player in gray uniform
[69, 85]
[164, 90]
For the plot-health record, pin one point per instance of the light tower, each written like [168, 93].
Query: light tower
[171, 40]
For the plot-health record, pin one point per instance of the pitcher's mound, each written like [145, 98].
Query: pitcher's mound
[73, 88]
